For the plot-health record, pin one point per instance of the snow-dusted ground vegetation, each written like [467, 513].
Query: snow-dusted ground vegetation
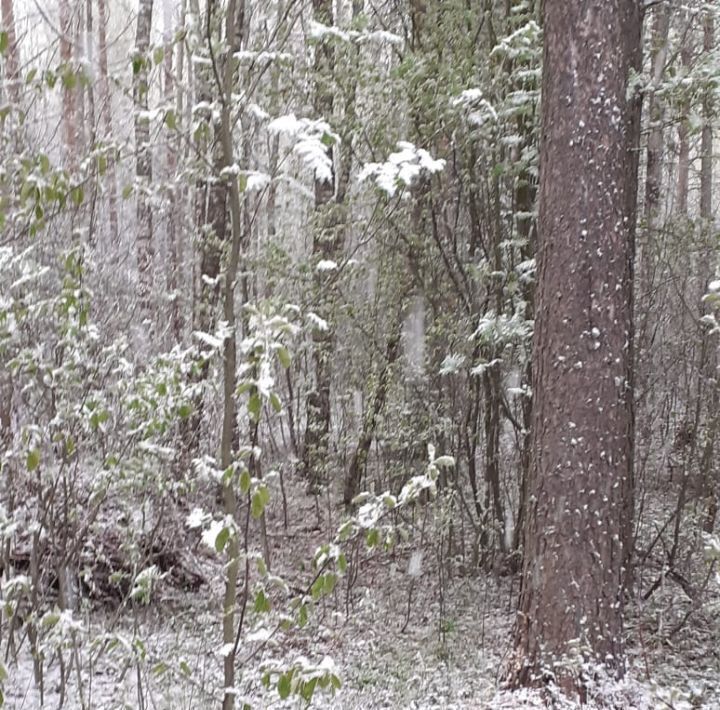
[341, 368]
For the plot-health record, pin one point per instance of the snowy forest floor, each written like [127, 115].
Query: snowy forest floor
[398, 641]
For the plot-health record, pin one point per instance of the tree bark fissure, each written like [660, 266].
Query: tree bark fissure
[580, 489]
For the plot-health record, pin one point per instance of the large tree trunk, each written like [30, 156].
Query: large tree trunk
[143, 165]
[580, 503]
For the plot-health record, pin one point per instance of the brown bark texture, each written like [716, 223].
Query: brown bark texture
[143, 165]
[579, 505]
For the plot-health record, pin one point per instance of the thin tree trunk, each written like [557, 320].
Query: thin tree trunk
[106, 119]
[325, 246]
[143, 165]
[358, 464]
[708, 376]
[11, 58]
[79, 58]
[656, 114]
[211, 223]
[580, 504]
[173, 265]
[89, 51]
[234, 26]
[69, 117]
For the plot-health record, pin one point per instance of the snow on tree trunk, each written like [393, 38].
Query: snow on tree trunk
[325, 247]
[580, 493]
[143, 164]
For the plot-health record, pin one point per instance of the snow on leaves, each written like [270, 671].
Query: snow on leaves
[311, 141]
[401, 169]
[320, 32]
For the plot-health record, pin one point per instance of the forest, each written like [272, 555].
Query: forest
[359, 354]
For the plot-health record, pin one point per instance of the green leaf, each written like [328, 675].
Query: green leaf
[158, 55]
[275, 402]
[316, 591]
[184, 411]
[69, 79]
[160, 668]
[185, 668]
[260, 499]
[69, 446]
[327, 140]
[307, 689]
[222, 539]
[127, 191]
[33, 460]
[77, 195]
[4, 42]
[342, 563]
[255, 406]
[329, 583]
[242, 182]
[373, 538]
[302, 615]
[245, 481]
[49, 620]
[262, 567]
[137, 64]
[284, 685]
[30, 77]
[284, 357]
[171, 120]
[227, 475]
[261, 603]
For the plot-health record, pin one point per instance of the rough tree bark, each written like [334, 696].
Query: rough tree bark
[143, 164]
[580, 503]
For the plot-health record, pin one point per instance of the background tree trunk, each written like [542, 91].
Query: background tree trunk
[143, 166]
[325, 246]
[69, 117]
[106, 118]
[12, 56]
